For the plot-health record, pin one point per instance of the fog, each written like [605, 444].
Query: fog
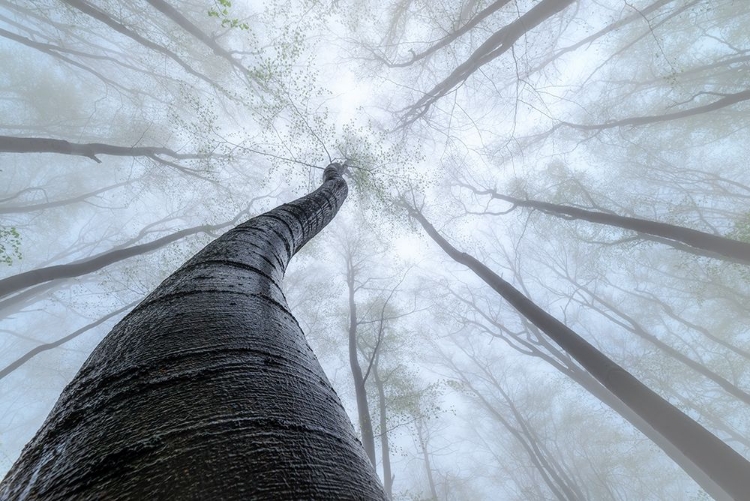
[545, 243]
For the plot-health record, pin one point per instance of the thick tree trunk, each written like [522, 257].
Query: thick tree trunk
[720, 462]
[208, 389]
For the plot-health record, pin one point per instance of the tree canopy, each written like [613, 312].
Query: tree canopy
[590, 155]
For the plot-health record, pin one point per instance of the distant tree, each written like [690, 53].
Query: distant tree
[720, 462]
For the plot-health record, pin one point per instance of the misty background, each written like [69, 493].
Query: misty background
[170, 122]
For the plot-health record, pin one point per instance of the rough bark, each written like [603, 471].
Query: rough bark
[720, 462]
[208, 389]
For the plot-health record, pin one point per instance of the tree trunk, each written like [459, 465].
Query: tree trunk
[208, 389]
[360, 390]
[720, 462]
[385, 448]
[426, 454]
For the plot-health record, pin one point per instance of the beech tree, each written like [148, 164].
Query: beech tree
[219, 325]
[591, 154]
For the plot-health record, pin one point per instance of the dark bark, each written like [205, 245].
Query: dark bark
[735, 250]
[720, 462]
[10, 144]
[496, 45]
[208, 389]
[360, 390]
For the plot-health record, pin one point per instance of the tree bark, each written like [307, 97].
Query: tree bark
[208, 389]
[720, 462]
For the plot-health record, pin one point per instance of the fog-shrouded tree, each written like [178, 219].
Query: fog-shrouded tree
[591, 154]
[148, 414]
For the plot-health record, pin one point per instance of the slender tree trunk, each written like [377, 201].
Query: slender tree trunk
[208, 389]
[496, 45]
[565, 365]
[630, 324]
[716, 246]
[720, 462]
[363, 407]
[427, 463]
[385, 448]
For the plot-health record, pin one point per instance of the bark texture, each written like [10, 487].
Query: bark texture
[208, 389]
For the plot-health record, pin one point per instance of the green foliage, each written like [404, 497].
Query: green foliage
[220, 10]
[10, 245]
